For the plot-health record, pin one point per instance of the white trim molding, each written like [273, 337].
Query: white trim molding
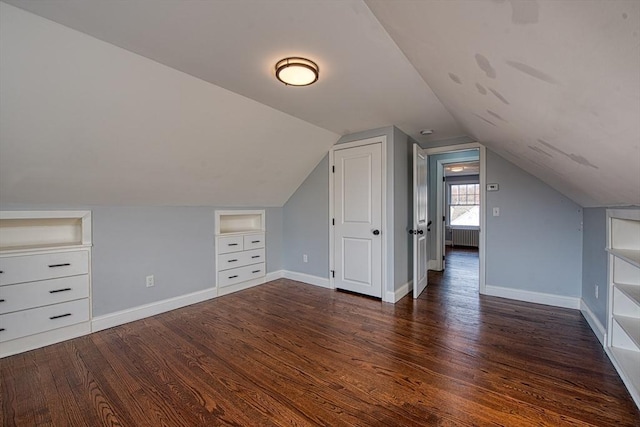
[323, 282]
[274, 275]
[401, 292]
[593, 322]
[110, 320]
[534, 297]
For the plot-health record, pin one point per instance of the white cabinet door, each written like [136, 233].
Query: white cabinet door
[420, 217]
[358, 229]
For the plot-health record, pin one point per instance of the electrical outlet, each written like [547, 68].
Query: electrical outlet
[597, 288]
[305, 258]
[150, 281]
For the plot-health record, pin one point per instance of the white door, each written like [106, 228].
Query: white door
[420, 217]
[358, 219]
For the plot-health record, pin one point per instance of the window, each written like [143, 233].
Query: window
[464, 205]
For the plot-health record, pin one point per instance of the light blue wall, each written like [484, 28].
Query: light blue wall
[175, 244]
[536, 242]
[594, 261]
[306, 224]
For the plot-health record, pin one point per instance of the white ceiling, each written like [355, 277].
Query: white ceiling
[365, 80]
[554, 86]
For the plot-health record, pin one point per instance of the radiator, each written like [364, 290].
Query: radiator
[464, 237]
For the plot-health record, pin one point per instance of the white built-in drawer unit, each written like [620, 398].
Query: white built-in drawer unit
[28, 268]
[240, 250]
[45, 278]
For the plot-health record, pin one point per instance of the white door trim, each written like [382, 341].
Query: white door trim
[386, 228]
[483, 201]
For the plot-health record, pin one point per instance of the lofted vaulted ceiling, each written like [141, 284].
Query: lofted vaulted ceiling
[553, 86]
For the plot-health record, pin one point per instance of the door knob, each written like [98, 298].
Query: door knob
[420, 232]
[411, 231]
[376, 232]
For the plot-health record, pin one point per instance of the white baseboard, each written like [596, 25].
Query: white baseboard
[535, 297]
[274, 275]
[226, 290]
[394, 297]
[307, 278]
[140, 312]
[593, 321]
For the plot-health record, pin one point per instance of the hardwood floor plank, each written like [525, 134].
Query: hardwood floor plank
[286, 353]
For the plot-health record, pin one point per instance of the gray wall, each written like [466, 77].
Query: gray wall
[536, 242]
[402, 207]
[175, 244]
[306, 224]
[594, 261]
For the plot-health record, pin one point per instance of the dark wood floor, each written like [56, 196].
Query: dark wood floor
[286, 353]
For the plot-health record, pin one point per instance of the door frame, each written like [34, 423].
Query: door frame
[439, 265]
[482, 152]
[386, 228]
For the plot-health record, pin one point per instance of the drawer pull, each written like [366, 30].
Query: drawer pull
[2, 329]
[233, 277]
[232, 244]
[59, 265]
[255, 241]
[59, 290]
[256, 271]
[255, 256]
[232, 260]
[1, 271]
[2, 300]
[59, 316]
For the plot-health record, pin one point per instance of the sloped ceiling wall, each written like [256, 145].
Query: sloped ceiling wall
[554, 86]
[85, 122]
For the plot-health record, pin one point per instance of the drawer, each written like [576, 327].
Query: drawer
[28, 322]
[44, 292]
[254, 241]
[229, 244]
[240, 259]
[28, 268]
[242, 274]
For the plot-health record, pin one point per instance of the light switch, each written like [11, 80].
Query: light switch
[496, 211]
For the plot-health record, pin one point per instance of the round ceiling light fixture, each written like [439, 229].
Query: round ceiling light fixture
[297, 71]
[426, 132]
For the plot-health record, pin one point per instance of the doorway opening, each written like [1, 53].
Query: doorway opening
[457, 211]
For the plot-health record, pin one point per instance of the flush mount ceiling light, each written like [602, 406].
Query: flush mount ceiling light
[297, 71]
[426, 132]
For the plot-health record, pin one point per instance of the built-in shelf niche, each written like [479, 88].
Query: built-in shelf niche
[623, 311]
[232, 222]
[26, 231]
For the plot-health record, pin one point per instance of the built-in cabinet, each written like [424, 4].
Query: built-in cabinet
[45, 278]
[623, 314]
[240, 250]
